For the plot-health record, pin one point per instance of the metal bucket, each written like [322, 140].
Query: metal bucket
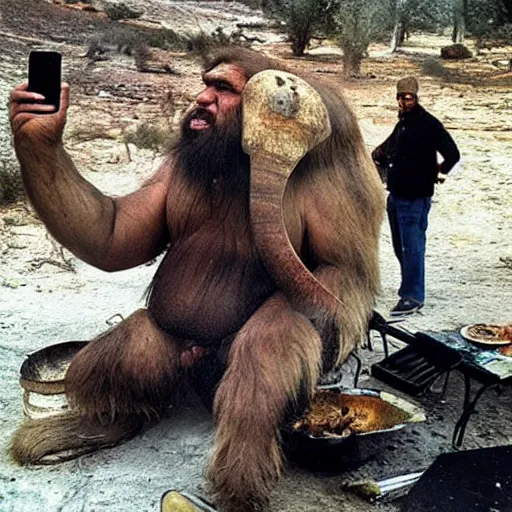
[42, 379]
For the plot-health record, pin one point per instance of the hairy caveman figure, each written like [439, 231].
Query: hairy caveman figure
[218, 300]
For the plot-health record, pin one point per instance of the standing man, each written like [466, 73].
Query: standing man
[409, 157]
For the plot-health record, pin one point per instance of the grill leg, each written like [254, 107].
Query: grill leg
[468, 409]
[369, 342]
[385, 344]
[359, 366]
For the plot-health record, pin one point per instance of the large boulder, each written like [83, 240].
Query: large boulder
[456, 51]
[117, 10]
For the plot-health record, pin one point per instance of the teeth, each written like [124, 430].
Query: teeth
[198, 124]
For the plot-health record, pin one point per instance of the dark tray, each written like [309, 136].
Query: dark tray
[470, 481]
[408, 370]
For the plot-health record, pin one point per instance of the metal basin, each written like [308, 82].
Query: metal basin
[42, 379]
[357, 423]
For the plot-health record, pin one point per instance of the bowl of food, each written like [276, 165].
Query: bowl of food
[42, 378]
[343, 428]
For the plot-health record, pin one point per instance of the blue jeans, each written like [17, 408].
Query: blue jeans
[408, 220]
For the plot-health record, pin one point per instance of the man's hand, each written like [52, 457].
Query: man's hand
[35, 121]
[441, 177]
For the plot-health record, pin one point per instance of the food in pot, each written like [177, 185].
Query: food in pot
[337, 414]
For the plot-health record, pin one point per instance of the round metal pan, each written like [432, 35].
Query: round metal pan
[42, 378]
[331, 453]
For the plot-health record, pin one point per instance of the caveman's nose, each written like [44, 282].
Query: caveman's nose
[206, 97]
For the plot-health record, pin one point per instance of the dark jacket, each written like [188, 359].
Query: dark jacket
[409, 157]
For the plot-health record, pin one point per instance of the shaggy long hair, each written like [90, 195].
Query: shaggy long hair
[352, 199]
[275, 357]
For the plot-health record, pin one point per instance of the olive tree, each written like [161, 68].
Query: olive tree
[423, 15]
[357, 24]
[303, 19]
[460, 13]
[484, 17]
[400, 23]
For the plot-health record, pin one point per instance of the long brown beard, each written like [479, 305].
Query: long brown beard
[214, 154]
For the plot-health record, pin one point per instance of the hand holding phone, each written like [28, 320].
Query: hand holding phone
[43, 94]
[44, 76]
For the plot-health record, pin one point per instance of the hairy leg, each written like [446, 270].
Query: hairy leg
[275, 357]
[67, 436]
[128, 370]
[120, 378]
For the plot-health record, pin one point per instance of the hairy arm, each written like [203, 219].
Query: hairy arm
[109, 233]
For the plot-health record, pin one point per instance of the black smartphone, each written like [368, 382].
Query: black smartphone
[44, 76]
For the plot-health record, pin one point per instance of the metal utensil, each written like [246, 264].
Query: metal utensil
[180, 501]
[386, 490]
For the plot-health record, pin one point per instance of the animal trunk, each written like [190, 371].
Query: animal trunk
[283, 118]
[269, 178]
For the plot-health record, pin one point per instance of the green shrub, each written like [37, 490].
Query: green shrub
[148, 136]
[201, 42]
[11, 184]
[126, 38]
[166, 39]
[121, 12]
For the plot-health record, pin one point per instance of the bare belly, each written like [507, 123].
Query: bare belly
[207, 286]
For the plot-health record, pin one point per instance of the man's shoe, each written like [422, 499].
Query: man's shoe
[405, 307]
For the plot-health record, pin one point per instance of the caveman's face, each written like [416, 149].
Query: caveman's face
[220, 98]
[210, 145]
[406, 101]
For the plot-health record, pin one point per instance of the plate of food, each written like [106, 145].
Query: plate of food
[490, 335]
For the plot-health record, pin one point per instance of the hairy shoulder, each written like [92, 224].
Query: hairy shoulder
[163, 174]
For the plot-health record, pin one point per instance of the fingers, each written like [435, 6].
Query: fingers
[64, 96]
[21, 87]
[22, 107]
[22, 95]
[26, 106]
[64, 102]
[34, 108]
[23, 100]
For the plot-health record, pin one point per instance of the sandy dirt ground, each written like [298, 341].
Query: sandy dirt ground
[47, 296]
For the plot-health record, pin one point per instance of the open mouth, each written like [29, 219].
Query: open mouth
[200, 120]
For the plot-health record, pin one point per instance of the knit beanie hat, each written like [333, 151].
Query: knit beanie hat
[409, 84]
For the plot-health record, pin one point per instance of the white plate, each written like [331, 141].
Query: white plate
[482, 341]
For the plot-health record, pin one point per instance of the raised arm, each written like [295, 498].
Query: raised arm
[109, 233]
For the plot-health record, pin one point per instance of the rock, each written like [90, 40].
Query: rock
[119, 10]
[11, 283]
[456, 51]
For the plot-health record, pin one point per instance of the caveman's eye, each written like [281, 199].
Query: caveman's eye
[223, 86]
